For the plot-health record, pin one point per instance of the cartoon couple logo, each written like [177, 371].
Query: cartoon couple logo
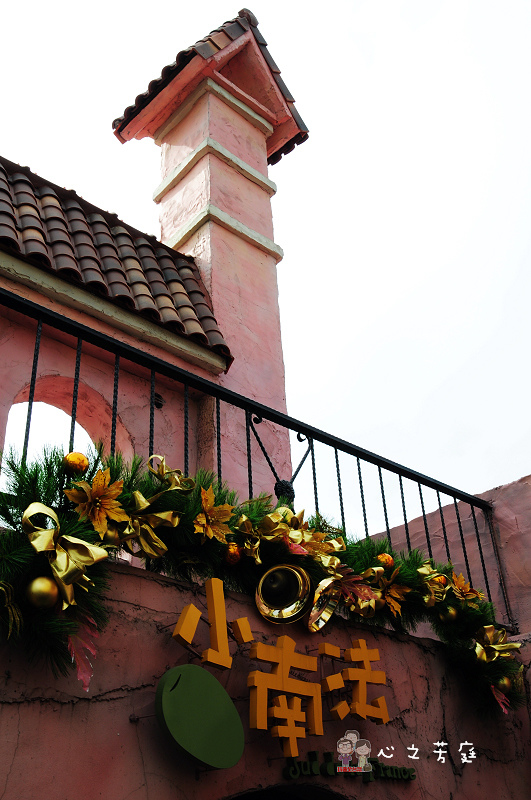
[351, 746]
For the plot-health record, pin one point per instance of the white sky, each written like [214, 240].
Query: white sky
[404, 219]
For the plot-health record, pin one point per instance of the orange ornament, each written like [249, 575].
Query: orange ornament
[442, 579]
[504, 684]
[233, 554]
[387, 560]
[75, 464]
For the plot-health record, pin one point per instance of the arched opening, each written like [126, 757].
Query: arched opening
[93, 412]
[50, 426]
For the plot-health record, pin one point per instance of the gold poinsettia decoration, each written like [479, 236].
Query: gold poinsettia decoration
[463, 591]
[210, 522]
[98, 503]
[393, 593]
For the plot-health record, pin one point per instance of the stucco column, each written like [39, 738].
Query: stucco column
[215, 204]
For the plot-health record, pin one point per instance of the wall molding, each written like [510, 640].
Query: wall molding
[211, 213]
[210, 147]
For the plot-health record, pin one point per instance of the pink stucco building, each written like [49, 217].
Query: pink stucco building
[174, 346]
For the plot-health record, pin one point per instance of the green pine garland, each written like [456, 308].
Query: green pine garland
[190, 552]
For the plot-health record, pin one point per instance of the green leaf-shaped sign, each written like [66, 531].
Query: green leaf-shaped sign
[196, 711]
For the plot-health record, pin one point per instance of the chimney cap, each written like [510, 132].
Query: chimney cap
[132, 122]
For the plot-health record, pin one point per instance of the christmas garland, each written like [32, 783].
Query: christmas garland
[62, 518]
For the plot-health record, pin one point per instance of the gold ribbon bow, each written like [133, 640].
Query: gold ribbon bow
[491, 643]
[67, 555]
[251, 543]
[142, 524]
[435, 592]
[284, 524]
[174, 478]
[143, 520]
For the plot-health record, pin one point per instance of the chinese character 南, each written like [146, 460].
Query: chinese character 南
[284, 658]
[466, 758]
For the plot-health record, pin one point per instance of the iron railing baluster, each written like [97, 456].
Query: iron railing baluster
[384, 505]
[406, 527]
[463, 545]
[314, 476]
[115, 403]
[218, 437]
[32, 388]
[338, 473]
[74, 395]
[443, 527]
[249, 460]
[425, 521]
[362, 499]
[152, 414]
[186, 424]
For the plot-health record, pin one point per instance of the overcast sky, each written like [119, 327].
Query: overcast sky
[404, 218]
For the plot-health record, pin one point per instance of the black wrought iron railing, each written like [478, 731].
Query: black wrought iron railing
[363, 493]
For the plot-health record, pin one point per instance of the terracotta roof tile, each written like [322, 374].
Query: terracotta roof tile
[207, 47]
[55, 229]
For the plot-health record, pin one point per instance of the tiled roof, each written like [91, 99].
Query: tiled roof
[55, 229]
[207, 47]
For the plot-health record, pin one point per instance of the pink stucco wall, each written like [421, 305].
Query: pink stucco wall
[57, 738]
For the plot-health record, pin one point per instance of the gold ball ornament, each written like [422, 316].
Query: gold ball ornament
[386, 560]
[441, 579]
[504, 684]
[233, 554]
[75, 464]
[448, 615]
[379, 603]
[42, 592]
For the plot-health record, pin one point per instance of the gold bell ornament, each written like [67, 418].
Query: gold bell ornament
[284, 593]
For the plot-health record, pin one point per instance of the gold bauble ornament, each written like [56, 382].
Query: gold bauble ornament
[387, 560]
[233, 554]
[75, 464]
[42, 592]
[504, 684]
[448, 615]
[442, 579]
[379, 603]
